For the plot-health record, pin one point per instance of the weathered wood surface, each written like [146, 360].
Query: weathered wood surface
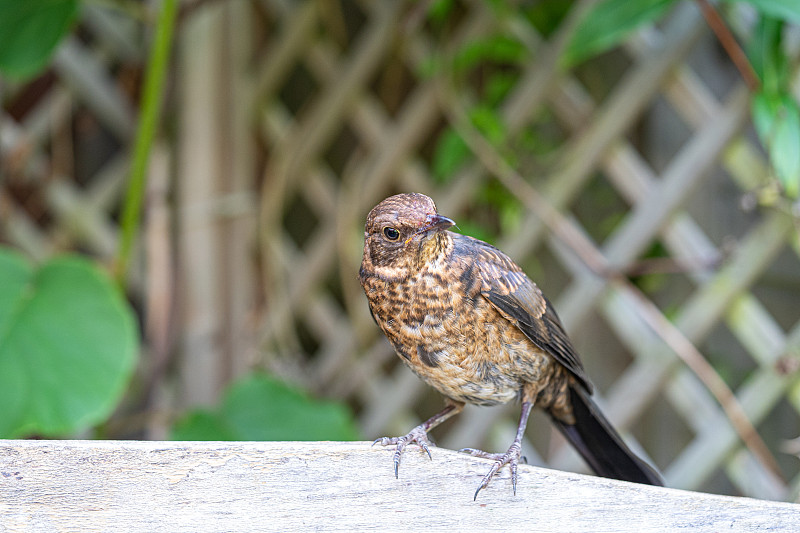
[306, 486]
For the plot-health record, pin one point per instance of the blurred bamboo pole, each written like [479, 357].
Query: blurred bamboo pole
[199, 166]
[238, 211]
[215, 180]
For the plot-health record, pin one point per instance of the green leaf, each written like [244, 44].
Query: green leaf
[546, 17]
[450, 154]
[440, 10]
[495, 48]
[607, 23]
[259, 407]
[30, 31]
[783, 9]
[68, 346]
[202, 425]
[489, 122]
[762, 112]
[768, 59]
[498, 86]
[777, 120]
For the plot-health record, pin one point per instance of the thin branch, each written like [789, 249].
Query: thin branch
[729, 43]
[690, 355]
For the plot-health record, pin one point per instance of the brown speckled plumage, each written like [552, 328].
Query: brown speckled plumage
[466, 319]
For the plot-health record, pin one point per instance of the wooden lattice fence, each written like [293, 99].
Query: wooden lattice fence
[287, 121]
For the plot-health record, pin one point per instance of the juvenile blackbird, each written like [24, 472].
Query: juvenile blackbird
[466, 319]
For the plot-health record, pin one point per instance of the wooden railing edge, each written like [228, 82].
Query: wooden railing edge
[298, 486]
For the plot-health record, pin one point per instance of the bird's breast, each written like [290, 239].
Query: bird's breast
[454, 341]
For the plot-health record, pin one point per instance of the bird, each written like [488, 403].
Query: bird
[471, 324]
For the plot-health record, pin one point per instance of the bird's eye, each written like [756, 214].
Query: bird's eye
[391, 233]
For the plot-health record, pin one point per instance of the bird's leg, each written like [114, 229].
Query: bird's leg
[420, 433]
[511, 457]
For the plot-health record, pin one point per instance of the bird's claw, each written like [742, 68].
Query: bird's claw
[417, 435]
[511, 458]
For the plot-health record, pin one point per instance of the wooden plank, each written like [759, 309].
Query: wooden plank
[293, 486]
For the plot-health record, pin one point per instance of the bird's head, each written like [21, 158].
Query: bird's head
[402, 233]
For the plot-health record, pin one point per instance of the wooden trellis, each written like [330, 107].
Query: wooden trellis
[285, 140]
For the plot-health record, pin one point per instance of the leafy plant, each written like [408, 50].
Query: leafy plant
[259, 407]
[68, 345]
[775, 112]
[606, 23]
[30, 30]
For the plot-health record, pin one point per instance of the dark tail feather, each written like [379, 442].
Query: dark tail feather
[601, 446]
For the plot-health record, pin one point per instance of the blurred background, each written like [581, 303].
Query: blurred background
[183, 188]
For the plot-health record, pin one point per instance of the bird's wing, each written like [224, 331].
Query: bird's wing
[520, 301]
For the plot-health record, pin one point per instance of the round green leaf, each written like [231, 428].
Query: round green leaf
[262, 408]
[259, 407]
[30, 31]
[68, 346]
[203, 426]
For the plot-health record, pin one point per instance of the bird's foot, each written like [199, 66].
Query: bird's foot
[511, 458]
[417, 435]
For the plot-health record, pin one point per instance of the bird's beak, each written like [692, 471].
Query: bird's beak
[436, 223]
